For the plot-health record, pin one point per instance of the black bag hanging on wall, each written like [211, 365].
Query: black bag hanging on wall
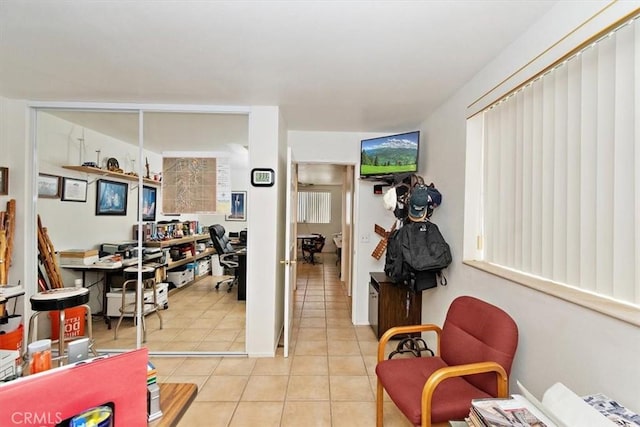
[425, 248]
[416, 254]
[394, 266]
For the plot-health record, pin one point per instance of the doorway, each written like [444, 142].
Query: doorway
[338, 180]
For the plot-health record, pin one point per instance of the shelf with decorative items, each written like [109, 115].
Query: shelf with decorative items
[112, 174]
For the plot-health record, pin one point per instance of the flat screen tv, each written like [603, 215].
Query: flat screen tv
[388, 155]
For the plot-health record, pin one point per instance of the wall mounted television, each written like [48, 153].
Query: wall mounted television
[388, 155]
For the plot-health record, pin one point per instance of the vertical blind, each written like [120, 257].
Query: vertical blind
[561, 193]
[314, 207]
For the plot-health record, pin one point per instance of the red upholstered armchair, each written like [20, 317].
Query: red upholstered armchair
[475, 349]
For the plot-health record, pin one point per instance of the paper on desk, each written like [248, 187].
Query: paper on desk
[565, 408]
[515, 404]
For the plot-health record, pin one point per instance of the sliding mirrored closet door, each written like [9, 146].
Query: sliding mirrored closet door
[94, 159]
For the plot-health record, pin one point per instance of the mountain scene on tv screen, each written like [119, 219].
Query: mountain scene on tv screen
[389, 155]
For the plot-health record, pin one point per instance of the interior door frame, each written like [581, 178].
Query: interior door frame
[291, 248]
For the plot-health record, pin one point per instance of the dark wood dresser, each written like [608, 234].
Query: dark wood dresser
[388, 305]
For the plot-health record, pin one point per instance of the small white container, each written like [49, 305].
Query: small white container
[39, 356]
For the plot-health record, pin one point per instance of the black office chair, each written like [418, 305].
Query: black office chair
[310, 247]
[226, 254]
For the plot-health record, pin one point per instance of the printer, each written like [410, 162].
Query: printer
[121, 248]
[153, 254]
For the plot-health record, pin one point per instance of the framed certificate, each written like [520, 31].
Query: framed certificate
[74, 190]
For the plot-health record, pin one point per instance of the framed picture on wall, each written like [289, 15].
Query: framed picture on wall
[48, 186]
[111, 197]
[74, 190]
[4, 181]
[149, 203]
[238, 206]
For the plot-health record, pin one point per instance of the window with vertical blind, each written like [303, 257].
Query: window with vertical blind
[314, 207]
[560, 191]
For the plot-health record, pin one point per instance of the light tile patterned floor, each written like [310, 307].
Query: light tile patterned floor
[199, 318]
[328, 380]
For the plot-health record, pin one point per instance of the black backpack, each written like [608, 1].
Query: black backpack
[394, 266]
[416, 254]
[424, 248]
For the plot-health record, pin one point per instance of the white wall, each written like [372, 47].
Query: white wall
[74, 225]
[559, 341]
[58, 145]
[14, 127]
[266, 233]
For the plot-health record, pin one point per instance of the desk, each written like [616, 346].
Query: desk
[8, 292]
[175, 399]
[338, 242]
[302, 237]
[105, 269]
[306, 236]
[312, 243]
[242, 274]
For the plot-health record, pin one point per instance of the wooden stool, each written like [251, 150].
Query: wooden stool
[131, 281]
[60, 299]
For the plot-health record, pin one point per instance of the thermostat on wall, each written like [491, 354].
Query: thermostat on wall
[261, 177]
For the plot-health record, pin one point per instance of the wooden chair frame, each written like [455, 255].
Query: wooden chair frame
[438, 376]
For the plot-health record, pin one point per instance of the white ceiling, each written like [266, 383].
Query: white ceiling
[376, 66]
[367, 66]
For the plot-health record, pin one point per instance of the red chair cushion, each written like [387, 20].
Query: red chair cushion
[476, 331]
[404, 379]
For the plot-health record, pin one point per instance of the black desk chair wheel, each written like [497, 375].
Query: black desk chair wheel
[227, 256]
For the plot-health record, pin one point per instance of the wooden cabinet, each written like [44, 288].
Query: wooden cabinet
[391, 305]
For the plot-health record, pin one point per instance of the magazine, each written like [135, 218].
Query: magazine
[611, 409]
[507, 412]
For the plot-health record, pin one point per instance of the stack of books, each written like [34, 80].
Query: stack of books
[153, 393]
[502, 413]
[507, 412]
[78, 256]
[152, 374]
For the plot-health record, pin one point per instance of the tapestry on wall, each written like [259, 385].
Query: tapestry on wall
[195, 184]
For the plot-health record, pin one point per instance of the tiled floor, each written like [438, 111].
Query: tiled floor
[328, 379]
[198, 319]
